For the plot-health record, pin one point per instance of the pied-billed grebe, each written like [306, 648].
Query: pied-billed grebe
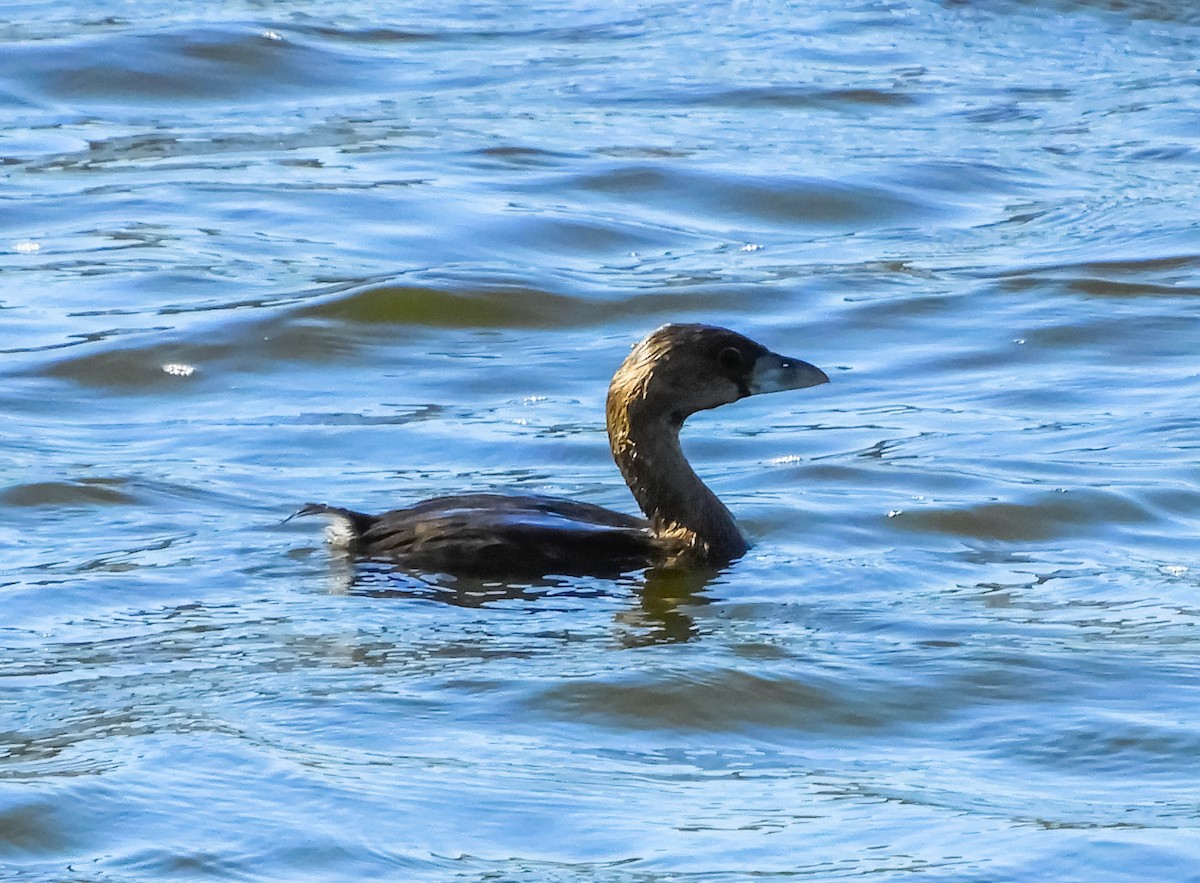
[675, 372]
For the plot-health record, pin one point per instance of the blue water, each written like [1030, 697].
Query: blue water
[257, 254]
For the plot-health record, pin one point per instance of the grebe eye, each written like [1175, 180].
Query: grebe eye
[730, 358]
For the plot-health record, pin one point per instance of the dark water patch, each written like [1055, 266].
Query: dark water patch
[1134, 10]
[34, 826]
[888, 682]
[1047, 516]
[816, 202]
[85, 492]
[193, 864]
[1135, 266]
[1111, 288]
[519, 157]
[500, 307]
[155, 367]
[467, 31]
[1040, 93]
[181, 65]
[795, 98]
[370, 36]
[504, 305]
[1097, 287]
[1168, 276]
[724, 700]
[626, 151]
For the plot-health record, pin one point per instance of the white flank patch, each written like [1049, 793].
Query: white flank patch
[339, 532]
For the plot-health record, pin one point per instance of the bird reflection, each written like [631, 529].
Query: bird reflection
[664, 594]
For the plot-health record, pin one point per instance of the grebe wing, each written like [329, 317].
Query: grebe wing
[499, 534]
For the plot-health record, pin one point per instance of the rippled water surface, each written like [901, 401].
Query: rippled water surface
[253, 254]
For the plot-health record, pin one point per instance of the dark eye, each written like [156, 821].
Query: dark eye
[730, 358]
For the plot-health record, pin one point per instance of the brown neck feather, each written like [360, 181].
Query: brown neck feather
[682, 510]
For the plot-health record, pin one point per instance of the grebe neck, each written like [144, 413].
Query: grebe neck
[681, 508]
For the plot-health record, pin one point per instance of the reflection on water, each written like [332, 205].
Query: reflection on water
[663, 595]
[663, 614]
[254, 256]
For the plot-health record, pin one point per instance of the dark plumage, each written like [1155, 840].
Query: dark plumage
[671, 374]
[498, 533]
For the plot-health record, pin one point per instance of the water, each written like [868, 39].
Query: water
[255, 254]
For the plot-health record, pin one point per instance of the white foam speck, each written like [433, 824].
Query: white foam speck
[786, 460]
[176, 369]
[27, 246]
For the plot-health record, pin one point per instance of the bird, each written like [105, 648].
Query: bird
[674, 372]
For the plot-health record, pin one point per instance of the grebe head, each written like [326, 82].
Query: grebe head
[681, 369]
